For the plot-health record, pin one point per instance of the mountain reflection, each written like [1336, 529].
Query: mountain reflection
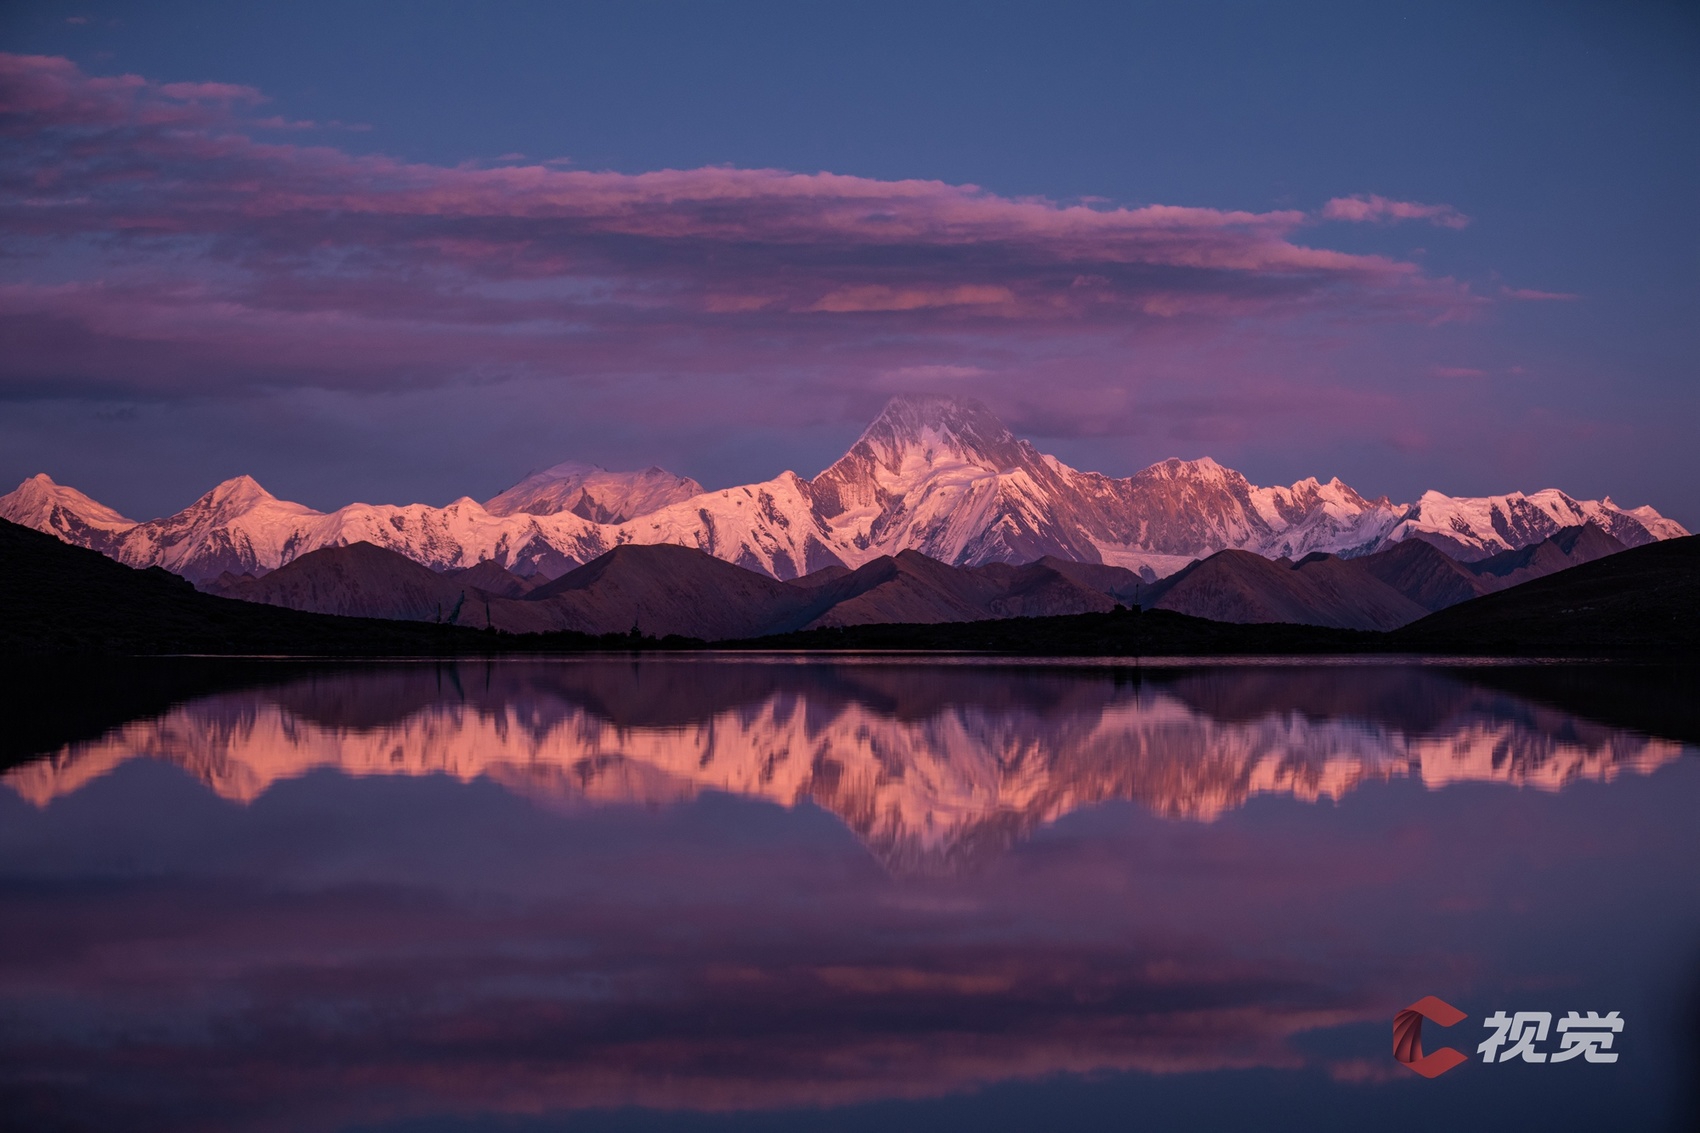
[407, 940]
[933, 767]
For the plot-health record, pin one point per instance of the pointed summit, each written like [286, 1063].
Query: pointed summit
[33, 500]
[930, 430]
[64, 512]
[235, 496]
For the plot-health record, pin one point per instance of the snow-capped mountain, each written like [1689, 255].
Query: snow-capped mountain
[65, 512]
[940, 476]
[1471, 529]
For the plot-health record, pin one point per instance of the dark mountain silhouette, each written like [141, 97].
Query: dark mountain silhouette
[664, 589]
[69, 600]
[494, 580]
[1383, 591]
[1643, 599]
[1570, 547]
[661, 589]
[359, 580]
[1424, 573]
[60, 599]
[1238, 586]
[910, 587]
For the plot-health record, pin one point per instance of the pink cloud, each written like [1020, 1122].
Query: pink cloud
[1457, 372]
[164, 248]
[1375, 209]
[210, 92]
[1531, 295]
[875, 297]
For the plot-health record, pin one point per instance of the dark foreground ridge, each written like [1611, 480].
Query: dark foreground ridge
[1120, 633]
[1644, 602]
[66, 600]
[60, 599]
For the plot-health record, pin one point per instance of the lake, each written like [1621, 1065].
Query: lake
[854, 893]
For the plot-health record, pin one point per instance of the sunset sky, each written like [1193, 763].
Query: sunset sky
[399, 252]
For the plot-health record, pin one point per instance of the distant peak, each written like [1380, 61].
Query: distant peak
[1204, 468]
[233, 497]
[963, 426]
[568, 468]
[40, 493]
[935, 411]
[240, 487]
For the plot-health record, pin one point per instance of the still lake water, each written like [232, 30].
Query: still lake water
[859, 894]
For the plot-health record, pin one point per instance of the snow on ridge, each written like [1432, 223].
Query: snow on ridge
[936, 475]
[594, 493]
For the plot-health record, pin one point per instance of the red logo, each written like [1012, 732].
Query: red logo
[1408, 1036]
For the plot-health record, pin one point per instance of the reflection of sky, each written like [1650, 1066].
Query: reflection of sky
[354, 950]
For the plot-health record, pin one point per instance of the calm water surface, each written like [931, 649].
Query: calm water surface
[700, 894]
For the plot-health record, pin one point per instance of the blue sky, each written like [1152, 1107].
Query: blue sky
[1442, 350]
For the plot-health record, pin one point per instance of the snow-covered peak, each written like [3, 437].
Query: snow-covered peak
[592, 492]
[66, 513]
[570, 469]
[237, 496]
[1485, 525]
[932, 430]
[1204, 470]
[1657, 525]
[32, 502]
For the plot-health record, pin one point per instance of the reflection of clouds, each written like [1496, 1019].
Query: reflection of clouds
[359, 951]
[300, 1012]
[926, 783]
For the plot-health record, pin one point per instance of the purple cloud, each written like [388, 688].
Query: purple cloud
[1529, 294]
[160, 249]
[1379, 210]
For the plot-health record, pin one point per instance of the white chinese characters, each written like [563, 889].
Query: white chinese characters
[1588, 1036]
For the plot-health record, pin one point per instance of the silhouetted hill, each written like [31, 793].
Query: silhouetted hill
[1424, 573]
[1562, 550]
[661, 589]
[66, 600]
[1645, 599]
[362, 580]
[60, 599]
[1119, 633]
[1318, 590]
[911, 588]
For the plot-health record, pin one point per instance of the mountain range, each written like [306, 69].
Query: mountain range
[665, 590]
[941, 477]
[66, 601]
